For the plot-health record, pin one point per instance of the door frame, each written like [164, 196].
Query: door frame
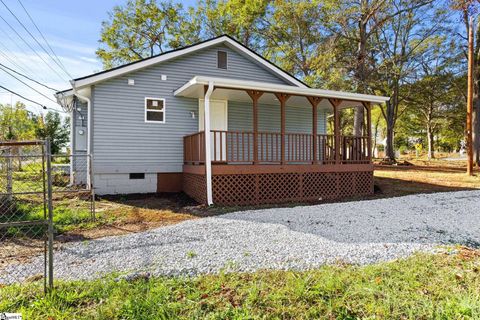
[200, 100]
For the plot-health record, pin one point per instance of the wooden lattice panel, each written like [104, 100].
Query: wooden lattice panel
[319, 185]
[263, 188]
[234, 189]
[346, 184]
[279, 187]
[195, 186]
[364, 183]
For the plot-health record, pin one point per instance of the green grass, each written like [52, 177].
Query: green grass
[421, 287]
[68, 214]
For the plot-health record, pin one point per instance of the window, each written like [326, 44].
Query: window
[221, 59]
[155, 110]
[137, 176]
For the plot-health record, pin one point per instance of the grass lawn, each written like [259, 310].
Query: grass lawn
[442, 286]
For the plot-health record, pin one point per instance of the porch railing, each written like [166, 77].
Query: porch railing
[238, 147]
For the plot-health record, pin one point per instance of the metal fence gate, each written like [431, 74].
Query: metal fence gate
[39, 194]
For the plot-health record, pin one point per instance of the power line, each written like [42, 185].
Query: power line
[34, 38]
[45, 39]
[45, 96]
[13, 62]
[18, 59]
[31, 48]
[30, 100]
[37, 82]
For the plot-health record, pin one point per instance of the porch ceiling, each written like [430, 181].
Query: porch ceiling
[234, 90]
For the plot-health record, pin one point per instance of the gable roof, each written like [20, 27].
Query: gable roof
[223, 39]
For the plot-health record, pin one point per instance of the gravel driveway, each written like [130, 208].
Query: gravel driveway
[305, 237]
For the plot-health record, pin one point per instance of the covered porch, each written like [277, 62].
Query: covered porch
[274, 158]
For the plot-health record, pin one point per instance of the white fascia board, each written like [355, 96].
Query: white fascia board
[167, 56]
[276, 88]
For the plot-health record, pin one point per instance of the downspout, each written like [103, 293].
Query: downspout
[89, 137]
[208, 155]
[72, 144]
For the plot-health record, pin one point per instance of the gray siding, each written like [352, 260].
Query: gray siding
[123, 142]
[298, 118]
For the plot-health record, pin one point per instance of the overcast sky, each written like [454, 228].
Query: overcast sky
[72, 28]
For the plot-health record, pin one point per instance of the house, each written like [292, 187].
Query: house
[145, 125]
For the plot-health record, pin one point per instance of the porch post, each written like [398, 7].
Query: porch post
[336, 128]
[314, 101]
[208, 155]
[368, 107]
[282, 97]
[255, 95]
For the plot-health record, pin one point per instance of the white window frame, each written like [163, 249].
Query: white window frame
[149, 110]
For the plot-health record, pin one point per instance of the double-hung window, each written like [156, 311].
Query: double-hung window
[155, 110]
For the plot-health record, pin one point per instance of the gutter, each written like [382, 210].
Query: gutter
[208, 155]
[89, 137]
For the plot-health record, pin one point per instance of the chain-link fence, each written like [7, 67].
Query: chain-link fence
[40, 195]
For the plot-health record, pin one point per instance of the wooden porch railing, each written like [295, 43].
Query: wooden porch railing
[238, 147]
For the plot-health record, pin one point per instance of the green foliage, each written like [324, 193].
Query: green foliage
[421, 287]
[143, 28]
[395, 48]
[16, 123]
[52, 127]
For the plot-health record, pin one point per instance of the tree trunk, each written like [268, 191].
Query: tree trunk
[430, 142]
[390, 110]
[389, 149]
[358, 121]
[476, 130]
[361, 68]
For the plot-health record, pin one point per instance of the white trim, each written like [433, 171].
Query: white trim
[213, 100]
[170, 55]
[272, 87]
[208, 158]
[164, 111]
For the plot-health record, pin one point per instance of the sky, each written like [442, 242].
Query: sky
[72, 28]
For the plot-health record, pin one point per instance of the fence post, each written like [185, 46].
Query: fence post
[50, 213]
[92, 188]
[9, 175]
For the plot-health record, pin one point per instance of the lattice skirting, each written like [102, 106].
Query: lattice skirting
[252, 189]
[195, 185]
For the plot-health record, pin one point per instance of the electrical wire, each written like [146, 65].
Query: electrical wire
[37, 82]
[40, 93]
[45, 39]
[32, 101]
[14, 55]
[35, 39]
[31, 48]
[13, 62]
[27, 99]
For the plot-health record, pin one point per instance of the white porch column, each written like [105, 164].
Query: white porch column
[208, 155]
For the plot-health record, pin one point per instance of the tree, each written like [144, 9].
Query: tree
[238, 18]
[51, 127]
[296, 38]
[403, 44]
[467, 9]
[429, 102]
[16, 123]
[143, 28]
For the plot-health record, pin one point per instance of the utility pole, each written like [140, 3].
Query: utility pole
[470, 100]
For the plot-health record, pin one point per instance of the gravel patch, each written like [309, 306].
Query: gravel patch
[299, 238]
